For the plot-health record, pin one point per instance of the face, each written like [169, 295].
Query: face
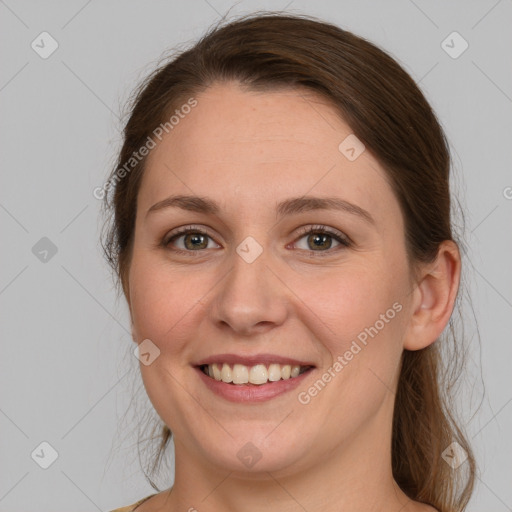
[267, 276]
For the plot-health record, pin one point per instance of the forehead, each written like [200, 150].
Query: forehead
[229, 122]
[247, 148]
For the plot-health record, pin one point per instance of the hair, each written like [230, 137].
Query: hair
[387, 111]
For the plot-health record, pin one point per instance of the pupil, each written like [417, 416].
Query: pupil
[320, 239]
[195, 240]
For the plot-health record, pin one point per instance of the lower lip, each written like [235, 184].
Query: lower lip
[251, 392]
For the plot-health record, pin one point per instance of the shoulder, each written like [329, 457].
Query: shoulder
[131, 508]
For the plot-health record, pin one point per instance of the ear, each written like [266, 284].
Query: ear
[434, 297]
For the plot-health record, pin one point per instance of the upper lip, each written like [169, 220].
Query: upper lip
[251, 360]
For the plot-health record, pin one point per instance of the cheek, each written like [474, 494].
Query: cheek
[358, 321]
[150, 312]
[362, 319]
[166, 309]
[351, 301]
[166, 305]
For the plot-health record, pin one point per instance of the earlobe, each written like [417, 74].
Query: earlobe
[434, 297]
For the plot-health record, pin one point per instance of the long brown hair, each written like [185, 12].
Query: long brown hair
[387, 111]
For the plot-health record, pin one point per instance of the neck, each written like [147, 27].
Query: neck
[355, 475]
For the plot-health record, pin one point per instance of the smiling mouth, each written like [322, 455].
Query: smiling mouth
[258, 374]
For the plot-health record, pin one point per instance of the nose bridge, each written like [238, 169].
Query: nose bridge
[250, 295]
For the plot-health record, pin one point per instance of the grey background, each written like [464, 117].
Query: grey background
[67, 374]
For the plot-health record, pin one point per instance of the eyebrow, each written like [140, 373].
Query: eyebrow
[289, 206]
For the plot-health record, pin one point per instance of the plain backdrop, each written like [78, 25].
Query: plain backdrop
[67, 373]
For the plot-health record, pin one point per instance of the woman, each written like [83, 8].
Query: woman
[281, 231]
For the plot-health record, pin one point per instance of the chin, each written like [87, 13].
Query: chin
[258, 454]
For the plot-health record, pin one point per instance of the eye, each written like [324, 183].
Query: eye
[194, 239]
[319, 239]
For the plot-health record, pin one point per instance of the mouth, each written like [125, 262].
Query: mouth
[253, 375]
[252, 378]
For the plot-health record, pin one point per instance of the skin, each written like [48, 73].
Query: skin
[248, 151]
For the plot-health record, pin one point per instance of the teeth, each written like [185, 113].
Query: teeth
[225, 375]
[240, 374]
[257, 374]
[217, 374]
[274, 372]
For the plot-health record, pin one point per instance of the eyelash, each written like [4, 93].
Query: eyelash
[344, 240]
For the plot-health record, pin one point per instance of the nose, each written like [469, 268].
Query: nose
[251, 299]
